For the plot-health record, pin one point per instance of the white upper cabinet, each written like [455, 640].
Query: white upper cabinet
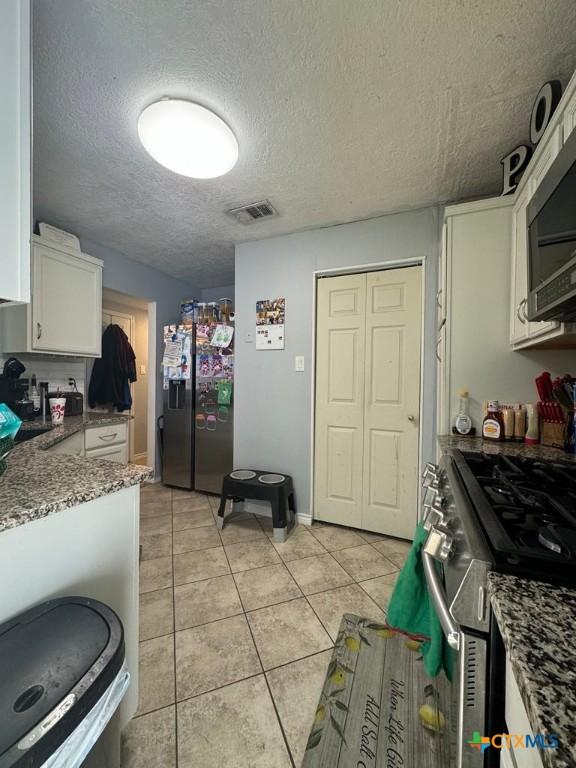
[549, 147]
[65, 313]
[15, 150]
[519, 277]
[524, 333]
[472, 307]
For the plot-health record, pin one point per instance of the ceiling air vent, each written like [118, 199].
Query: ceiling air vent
[248, 214]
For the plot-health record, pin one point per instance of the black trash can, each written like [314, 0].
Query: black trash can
[63, 674]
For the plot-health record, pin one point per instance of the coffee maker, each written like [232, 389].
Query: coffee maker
[14, 392]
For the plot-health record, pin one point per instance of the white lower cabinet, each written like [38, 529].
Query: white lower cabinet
[109, 442]
[517, 723]
[117, 453]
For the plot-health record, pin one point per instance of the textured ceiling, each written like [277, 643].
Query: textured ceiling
[342, 109]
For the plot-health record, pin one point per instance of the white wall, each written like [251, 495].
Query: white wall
[273, 403]
[54, 370]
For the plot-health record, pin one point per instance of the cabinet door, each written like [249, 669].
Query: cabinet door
[66, 303]
[15, 133]
[519, 277]
[442, 346]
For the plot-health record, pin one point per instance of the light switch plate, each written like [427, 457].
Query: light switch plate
[299, 363]
[142, 369]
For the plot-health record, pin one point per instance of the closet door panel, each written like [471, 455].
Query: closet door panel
[339, 428]
[392, 401]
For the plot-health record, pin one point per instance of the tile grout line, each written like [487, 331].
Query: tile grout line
[245, 612]
[174, 636]
[264, 673]
[289, 751]
[275, 565]
[262, 607]
[324, 627]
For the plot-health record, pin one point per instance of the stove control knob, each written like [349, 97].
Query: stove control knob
[431, 479]
[433, 515]
[430, 496]
[429, 469]
[430, 472]
[439, 543]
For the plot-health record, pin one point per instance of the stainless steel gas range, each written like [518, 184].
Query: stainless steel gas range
[488, 512]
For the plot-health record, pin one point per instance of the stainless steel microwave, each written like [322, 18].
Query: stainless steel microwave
[551, 219]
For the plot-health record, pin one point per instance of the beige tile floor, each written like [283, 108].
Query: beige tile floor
[236, 631]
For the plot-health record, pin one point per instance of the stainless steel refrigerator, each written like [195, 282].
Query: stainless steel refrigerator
[198, 431]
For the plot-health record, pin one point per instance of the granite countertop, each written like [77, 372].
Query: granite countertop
[538, 626]
[478, 445]
[38, 483]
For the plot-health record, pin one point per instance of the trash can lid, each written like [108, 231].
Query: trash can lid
[56, 660]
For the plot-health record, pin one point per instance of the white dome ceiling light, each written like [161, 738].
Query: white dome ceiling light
[188, 139]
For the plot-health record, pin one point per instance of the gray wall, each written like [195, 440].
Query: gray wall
[129, 276]
[215, 294]
[273, 403]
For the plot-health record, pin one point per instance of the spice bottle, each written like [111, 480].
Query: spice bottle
[532, 432]
[493, 424]
[508, 417]
[463, 422]
[519, 423]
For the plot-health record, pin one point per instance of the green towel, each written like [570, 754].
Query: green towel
[411, 610]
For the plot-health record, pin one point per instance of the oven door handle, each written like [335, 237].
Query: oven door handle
[449, 627]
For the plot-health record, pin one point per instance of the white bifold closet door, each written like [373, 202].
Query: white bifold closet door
[367, 421]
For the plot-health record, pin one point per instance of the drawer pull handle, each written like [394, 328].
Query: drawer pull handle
[438, 350]
[38, 330]
[108, 437]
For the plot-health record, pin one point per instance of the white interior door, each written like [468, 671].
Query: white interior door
[392, 401]
[126, 322]
[368, 345]
[339, 430]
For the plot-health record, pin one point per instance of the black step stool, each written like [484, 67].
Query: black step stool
[280, 496]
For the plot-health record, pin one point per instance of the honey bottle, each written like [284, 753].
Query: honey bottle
[493, 424]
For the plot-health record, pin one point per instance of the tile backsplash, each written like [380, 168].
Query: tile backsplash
[54, 370]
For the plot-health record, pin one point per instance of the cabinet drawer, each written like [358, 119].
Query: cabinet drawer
[118, 453]
[71, 446]
[102, 437]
